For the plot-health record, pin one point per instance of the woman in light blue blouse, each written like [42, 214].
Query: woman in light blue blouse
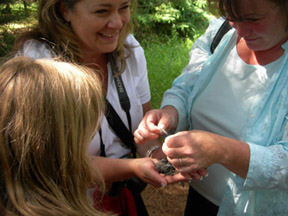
[229, 112]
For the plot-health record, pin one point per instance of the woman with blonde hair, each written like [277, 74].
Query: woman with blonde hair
[98, 34]
[49, 113]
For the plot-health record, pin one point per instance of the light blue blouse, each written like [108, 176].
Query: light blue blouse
[265, 189]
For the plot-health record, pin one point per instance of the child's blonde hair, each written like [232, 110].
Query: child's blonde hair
[49, 113]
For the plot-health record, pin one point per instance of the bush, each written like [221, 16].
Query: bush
[163, 19]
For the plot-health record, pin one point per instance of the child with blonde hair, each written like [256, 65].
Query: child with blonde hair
[49, 113]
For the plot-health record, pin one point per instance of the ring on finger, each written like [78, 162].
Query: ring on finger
[180, 162]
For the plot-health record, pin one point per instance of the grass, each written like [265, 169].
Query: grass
[165, 62]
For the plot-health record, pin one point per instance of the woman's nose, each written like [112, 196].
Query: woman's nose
[242, 28]
[115, 21]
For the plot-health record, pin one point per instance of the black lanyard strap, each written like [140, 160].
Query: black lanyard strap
[119, 128]
[113, 118]
[102, 146]
[122, 94]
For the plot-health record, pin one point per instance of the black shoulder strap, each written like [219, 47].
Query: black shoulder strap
[119, 128]
[113, 118]
[123, 97]
[225, 27]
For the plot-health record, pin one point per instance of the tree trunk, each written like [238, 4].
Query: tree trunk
[25, 4]
[7, 9]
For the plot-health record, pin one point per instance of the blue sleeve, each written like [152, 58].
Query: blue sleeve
[268, 167]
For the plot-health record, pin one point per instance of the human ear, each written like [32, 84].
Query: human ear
[65, 12]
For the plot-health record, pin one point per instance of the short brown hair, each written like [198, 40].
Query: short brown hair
[229, 8]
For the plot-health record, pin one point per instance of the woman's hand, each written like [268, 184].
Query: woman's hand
[191, 151]
[114, 169]
[196, 175]
[145, 169]
[153, 123]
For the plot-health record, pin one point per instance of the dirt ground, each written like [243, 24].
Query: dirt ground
[169, 201]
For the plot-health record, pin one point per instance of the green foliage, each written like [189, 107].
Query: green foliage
[18, 11]
[7, 2]
[6, 41]
[6, 8]
[14, 21]
[175, 18]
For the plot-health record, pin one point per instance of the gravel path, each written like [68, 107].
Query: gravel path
[169, 201]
